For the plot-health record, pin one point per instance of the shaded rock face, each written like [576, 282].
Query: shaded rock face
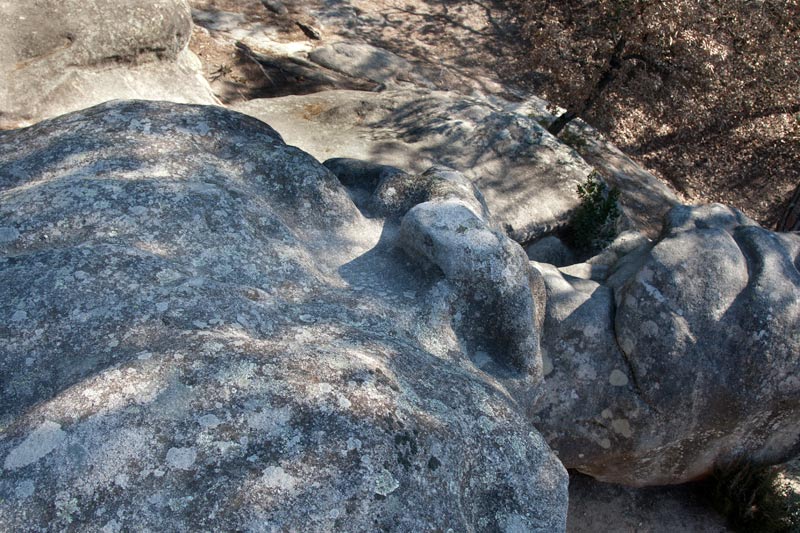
[387, 191]
[528, 178]
[686, 357]
[53, 59]
[497, 288]
[201, 331]
[550, 250]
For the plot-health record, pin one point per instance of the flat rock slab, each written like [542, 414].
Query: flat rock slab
[527, 177]
[361, 60]
[202, 332]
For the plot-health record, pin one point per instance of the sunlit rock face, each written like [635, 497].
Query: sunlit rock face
[201, 331]
[58, 56]
[686, 357]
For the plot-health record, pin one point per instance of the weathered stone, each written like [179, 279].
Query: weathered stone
[362, 178]
[361, 60]
[276, 6]
[498, 301]
[588, 384]
[690, 364]
[496, 311]
[501, 299]
[54, 58]
[310, 31]
[202, 332]
[644, 199]
[397, 193]
[625, 244]
[550, 250]
[527, 177]
[384, 190]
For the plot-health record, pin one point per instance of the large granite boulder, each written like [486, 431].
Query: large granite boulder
[686, 357]
[62, 55]
[201, 331]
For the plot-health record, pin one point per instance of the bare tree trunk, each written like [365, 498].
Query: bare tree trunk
[605, 79]
[560, 123]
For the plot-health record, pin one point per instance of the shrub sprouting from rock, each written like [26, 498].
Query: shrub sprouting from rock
[593, 224]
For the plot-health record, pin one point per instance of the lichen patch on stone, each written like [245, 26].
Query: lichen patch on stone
[181, 458]
[43, 440]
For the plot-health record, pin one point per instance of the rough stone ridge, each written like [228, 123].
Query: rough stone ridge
[200, 331]
[685, 358]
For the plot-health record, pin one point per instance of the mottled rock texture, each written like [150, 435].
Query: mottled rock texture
[526, 175]
[685, 357]
[201, 331]
[497, 297]
[62, 55]
[361, 60]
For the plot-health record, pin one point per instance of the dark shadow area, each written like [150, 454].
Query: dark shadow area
[656, 509]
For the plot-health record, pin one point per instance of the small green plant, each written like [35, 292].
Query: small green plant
[593, 224]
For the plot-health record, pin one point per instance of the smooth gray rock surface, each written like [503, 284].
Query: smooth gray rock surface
[550, 250]
[685, 358]
[361, 60]
[58, 56]
[501, 298]
[200, 331]
[527, 177]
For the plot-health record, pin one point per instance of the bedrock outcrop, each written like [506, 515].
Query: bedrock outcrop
[202, 331]
[58, 56]
[683, 358]
[526, 175]
[495, 296]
